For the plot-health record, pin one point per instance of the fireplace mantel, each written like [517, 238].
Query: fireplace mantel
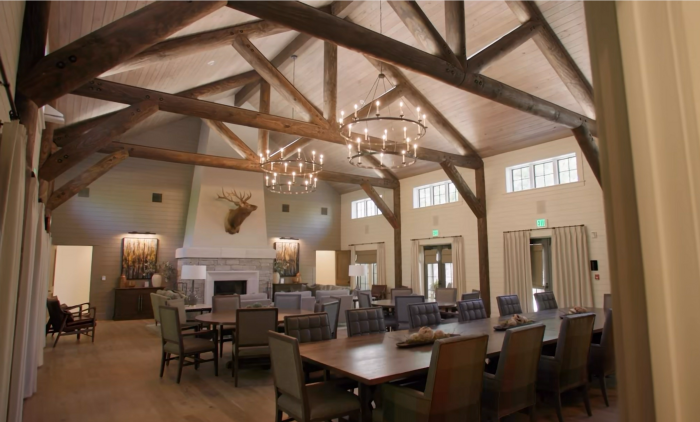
[252, 279]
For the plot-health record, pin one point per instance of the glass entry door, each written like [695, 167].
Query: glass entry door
[437, 268]
[541, 264]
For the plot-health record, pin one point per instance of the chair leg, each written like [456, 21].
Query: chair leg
[586, 400]
[558, 405]
[221, 341]
[235, 371]
[94, 329]
[532, 413]
[278, 415]
[162, 364]
[216, 364]
[604, 390]
[78, 335]
[179, 368]
[196, 362]
[167, 359]
[57, 338]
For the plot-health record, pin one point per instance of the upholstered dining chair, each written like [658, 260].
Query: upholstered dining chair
[308, 328]
[283, 301]
[423, 314]
[452, 389]
[470, 310]
[364, 299]
[378, 291]
[513, 387]
[545, 301]
[607, 301]
[509, 305]
[333, 311]
[345, 304]
[252, 326]
[175, 342]
[365, 321]
[156, 302]
[401, 304]
[223, 303]
[602, 356]
[185, 324]
[401, 291]
[304, 403]
[471, 296]
[443, 294]
[65, 320]
[568, 368]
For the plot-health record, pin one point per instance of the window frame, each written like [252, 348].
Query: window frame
[365, 203]
[428, 193]
[510, 183]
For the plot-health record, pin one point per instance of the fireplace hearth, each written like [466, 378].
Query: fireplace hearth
[230, 287]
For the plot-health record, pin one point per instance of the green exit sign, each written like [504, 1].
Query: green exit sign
[541, 223]
[436, 233]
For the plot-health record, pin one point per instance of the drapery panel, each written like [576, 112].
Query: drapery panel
[572, 284]
[381, 264]
[517, 267]
[416, 265]
[459, 275]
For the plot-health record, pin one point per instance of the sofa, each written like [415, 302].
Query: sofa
[321, 294]
[160, 298]
[307, 301]
[253, 298]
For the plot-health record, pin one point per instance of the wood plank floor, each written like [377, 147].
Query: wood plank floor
[116, 380]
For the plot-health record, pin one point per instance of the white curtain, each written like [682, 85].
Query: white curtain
[12, 189]
[571, 282]
[416, 265]
[517, 267]
[381, 264]
[459, 272]
[37, 323]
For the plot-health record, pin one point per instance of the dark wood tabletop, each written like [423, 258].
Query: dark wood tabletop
[375, 359]
[388, 303]
[229, 317]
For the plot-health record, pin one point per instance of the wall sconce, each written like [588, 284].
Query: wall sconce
[141, 233]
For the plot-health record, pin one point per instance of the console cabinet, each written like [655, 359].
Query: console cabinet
[133, 303]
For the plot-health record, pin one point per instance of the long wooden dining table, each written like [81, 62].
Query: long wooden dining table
[389, 304]
[374, 359]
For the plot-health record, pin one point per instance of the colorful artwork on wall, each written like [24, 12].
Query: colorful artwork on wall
[288, 254]
[139, 258]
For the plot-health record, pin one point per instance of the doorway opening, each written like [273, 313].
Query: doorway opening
[541, 264]
[72, 273]
[437, 265]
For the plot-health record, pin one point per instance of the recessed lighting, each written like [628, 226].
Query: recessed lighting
[211, 63]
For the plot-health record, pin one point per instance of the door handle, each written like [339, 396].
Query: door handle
[139, 303]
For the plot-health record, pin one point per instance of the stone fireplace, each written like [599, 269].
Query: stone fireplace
[230, 287]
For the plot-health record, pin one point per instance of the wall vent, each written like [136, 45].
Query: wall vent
[84, 193]
[157, 197]
[436, 220]
[541, 207]
[285, 207]
[324, 211]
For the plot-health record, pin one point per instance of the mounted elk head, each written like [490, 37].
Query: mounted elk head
[236, 216]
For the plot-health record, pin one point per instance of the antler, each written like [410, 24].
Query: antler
[244, 199]
[229, 196]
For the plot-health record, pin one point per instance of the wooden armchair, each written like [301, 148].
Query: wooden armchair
[69, 320]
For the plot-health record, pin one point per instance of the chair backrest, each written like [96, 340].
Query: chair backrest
[156, 302]
[358, 291]
[345, 304]
[401, 291]
[401, 306]
[170, 324]
[606, 342]
[321, 294]
[379, 290]
[364, 299]
[333, 310]
[446, 294]
[287, 369]
[546, 300]
[469, 310]
[423, 314]
[471, 296]
[56, 314]
[455, 378]
[180, 305]
[362, 322]
[308, 328]
[225, 303]
[253, 324]
[573, 346]
[607, 302]
[517, 366]
[509, 305]
[287, 301]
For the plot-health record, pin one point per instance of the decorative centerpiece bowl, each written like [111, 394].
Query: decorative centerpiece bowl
[575, 310]
[423, 337]
[513, 322]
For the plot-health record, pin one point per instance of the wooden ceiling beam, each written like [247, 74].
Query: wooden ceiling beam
[423, 30]
[172, 156]
[590, 150]
[197, 43]
[232, 139]
[456, 30]
[264, 107]
[501, 47]
[379, 202]
[84, 179]
[96, 139]
[291, 148]
[330, 82]
[276, 79]
[557, 55]
[303, 18]
[453, 174]
[73, 65]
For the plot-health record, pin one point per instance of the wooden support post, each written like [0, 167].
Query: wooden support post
[330, 82]
[264, 134]
[232, 140]
[46, 147]
[504, 45]
[171, 156]
[96, 139]
[199, 42]
[590, 150]
[76, 63]
[379, 202]
[274, 77]
[476, 206]
[83, 180]
[309, 20]
[423, 30]
[557, 55]
[456, 30]
[483, 241]
[398, 267]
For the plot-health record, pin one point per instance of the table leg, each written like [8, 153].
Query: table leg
[366, 397]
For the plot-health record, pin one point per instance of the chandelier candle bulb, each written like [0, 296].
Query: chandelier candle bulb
[403, 157]
[377, 108]
[401, 108]
[358, 145]
[299, 153]
[366, 134]
[261, 159]
[268, 154]
[415, 150]
[289, 186]
[381, 159]
[267, 180]
[315, 179]
[349, 151]
[404, 132]
[350, 130]
[425, 121]
[356, 111]
[321, 159]
[294, 176]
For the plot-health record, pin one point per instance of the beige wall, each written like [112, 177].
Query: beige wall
[120, 202]
[11, 14]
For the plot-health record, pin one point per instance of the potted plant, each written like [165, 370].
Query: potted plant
[167, 271]
[277, 268]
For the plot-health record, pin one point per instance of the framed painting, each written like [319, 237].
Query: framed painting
[288, 254]
[139, 257]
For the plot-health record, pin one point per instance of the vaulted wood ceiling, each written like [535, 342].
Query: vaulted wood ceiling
[492, 128]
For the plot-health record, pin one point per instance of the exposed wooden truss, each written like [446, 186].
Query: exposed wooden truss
[398, 267]
[236, 143]
[456, 30]
[590, 150]
[383, 207]
[330, 82]
[483, 241]
[222, 85]
[501, 47]
[263, 134]
[472, 201]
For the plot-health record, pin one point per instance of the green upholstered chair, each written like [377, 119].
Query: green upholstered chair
[568, 368]
[452, 389]
[321, 401]
[513, 387]
[190, 345]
